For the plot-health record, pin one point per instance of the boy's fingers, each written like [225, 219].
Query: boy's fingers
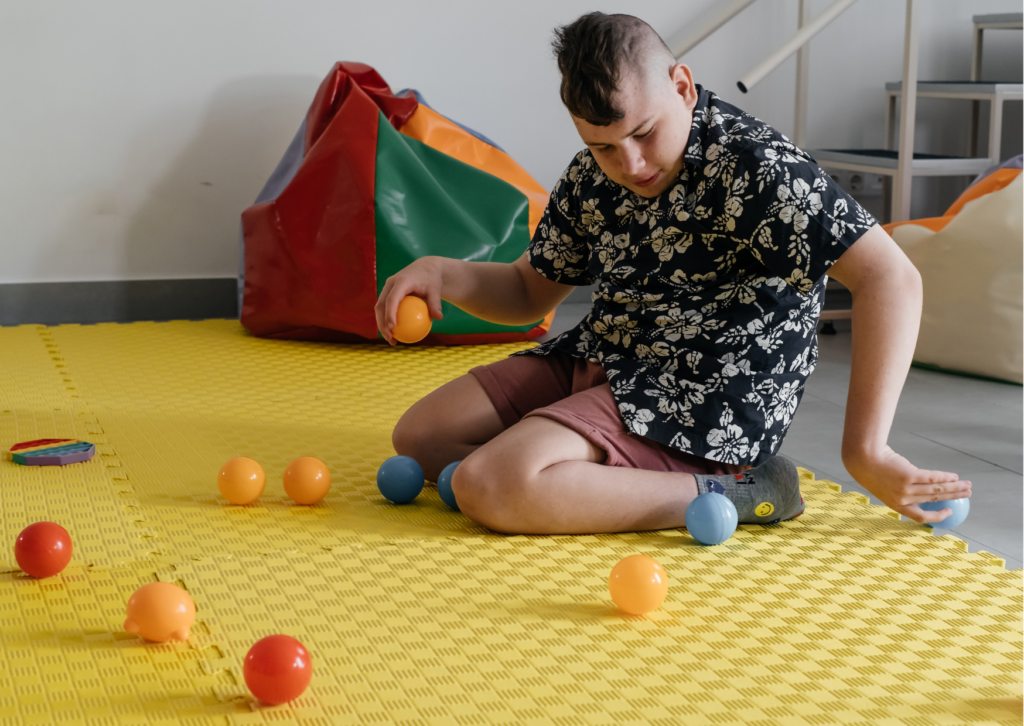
[434, 304]
[923, 516]
[924, 476]
[397, 294]
[381, 312]
[938, 492]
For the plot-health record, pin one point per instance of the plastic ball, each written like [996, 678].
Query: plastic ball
[638, 584]
[444, 485]
[160, 611]
[400, 479]
[43, 549]
[711, 518]
[960, 507]
[241, 480]
[307, 480]
[277, 669]
[412, 320]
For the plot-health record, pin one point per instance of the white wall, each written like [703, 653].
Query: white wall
[133, 132]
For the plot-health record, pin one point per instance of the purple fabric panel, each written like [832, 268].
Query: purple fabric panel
[279, 179]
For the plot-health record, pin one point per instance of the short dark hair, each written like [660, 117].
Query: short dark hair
[592, 52]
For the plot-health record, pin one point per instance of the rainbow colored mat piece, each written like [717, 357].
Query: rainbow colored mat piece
[373, 181]
[50, 452]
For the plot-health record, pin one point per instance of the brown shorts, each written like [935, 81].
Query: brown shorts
[576, 393]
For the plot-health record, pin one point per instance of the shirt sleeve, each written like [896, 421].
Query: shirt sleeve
[793, 216]
[560, 250]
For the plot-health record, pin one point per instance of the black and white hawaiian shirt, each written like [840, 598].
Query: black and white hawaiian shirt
[709, 295]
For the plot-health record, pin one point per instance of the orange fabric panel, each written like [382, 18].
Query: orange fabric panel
[995, 181]
[439, 133]
[992, 183]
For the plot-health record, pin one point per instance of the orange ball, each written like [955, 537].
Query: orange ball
[242, 480]
[306, 480]
[638, 584]
[412, 321]
[160, 611]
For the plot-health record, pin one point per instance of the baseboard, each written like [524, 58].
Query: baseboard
[126, 301]
[117, 301]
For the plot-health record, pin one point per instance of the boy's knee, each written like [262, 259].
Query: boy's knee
[485, 493]
[409, 437]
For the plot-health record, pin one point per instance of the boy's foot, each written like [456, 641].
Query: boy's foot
[765, 494]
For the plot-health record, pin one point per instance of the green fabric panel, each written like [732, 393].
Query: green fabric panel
[427, 203]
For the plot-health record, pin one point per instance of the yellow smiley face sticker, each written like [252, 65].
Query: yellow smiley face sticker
[764, 509]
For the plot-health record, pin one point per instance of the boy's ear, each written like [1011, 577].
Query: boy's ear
[682, 79]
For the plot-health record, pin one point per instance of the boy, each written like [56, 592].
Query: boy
[711, 236]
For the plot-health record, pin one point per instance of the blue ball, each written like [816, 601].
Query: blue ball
[444, 485]
[400, 479]
[960, 508]
[711, 518]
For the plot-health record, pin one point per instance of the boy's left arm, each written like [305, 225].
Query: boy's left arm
[886, 290]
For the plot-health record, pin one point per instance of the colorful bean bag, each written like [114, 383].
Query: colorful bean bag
[372, 181]
[970, 260]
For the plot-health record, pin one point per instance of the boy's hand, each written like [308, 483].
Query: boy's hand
[423, 278]
[901, 486]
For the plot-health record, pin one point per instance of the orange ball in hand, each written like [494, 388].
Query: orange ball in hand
[160, 611]
[638, 584]
[306, 480]
[242, 480]
[412, 321]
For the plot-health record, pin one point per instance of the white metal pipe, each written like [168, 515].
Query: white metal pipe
[713, 23]
[908, 110]
[794, 44]
[803, 65]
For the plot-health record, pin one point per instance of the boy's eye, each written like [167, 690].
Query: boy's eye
[645, 134]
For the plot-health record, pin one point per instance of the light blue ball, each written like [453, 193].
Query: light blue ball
[400, 479]
[711, 518]
[444, 485]
[960, 507]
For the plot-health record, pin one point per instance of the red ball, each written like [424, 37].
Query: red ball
[43, 549]
[277, 669]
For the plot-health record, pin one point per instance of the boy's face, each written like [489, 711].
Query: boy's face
[643, 151]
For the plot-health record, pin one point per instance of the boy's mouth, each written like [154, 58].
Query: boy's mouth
[648, 181]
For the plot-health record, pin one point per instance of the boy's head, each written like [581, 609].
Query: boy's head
[631, 102]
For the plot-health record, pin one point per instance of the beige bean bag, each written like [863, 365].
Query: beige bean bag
[970, 260]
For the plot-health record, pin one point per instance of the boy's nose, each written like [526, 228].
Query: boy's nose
[632, 163]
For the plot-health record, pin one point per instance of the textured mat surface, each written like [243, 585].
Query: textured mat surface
[412, 614]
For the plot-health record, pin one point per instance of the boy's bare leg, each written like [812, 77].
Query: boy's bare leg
[540, 477]
[447, 425]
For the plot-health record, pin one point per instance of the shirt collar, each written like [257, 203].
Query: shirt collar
[694, 153]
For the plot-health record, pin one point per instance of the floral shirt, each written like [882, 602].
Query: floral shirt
[709, 295]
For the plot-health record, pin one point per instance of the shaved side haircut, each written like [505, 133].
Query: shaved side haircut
[595, 51]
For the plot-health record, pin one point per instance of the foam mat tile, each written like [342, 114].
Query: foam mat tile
[413, 614]
[65, 658]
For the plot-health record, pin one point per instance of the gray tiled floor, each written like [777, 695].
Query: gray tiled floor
[951, 423]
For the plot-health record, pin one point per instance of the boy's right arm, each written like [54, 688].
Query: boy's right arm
[508, 294]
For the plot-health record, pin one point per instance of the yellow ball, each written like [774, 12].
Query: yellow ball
[307, 480]
[638, 584]
[242, 480]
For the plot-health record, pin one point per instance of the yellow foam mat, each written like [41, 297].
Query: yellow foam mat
[413, 614]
